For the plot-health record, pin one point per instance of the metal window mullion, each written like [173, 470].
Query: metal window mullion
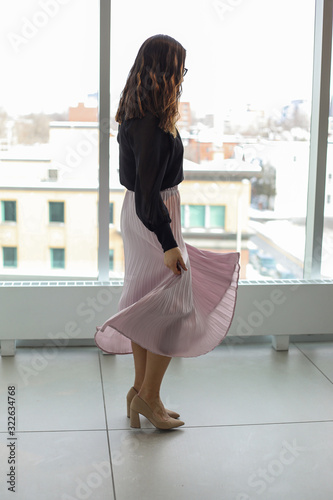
[104, 138]
[318, 142]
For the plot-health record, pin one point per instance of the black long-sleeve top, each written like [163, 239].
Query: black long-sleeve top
[150, 160]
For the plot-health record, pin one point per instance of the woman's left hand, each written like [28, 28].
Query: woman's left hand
[173, 259]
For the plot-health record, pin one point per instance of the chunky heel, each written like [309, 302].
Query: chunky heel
[135, 419]
[139, 406]
[130, 395]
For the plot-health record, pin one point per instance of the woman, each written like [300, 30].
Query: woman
[176, 300]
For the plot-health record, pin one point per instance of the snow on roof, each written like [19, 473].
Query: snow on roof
[230, 165]
[39, 152]
[64, 124]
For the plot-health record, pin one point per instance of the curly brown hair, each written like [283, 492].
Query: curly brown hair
[154, 83]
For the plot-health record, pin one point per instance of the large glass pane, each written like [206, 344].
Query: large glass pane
[49, 137]
[245, 121]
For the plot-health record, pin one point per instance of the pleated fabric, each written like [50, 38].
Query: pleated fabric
[184, 315]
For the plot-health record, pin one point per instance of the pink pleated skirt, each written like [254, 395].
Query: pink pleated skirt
[182, 315]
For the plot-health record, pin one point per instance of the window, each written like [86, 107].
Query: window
[56, 211]
[256, 130]
[111, 259]
[57, 258]
[9, 256]
[49, 126]
[8, 211]
[52, 174]
[197, 215]
[111, 206]
[246, 141]
[217, 216]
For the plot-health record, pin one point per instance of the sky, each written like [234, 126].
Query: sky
[239, 52]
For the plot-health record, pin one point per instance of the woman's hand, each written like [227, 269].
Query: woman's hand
[173, 259]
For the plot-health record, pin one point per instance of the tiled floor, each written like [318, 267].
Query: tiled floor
[258, 425]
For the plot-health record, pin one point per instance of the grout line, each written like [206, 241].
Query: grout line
[107, 430]
[232, 425]
[314, 364]
[58, 430]
[245, 424]
[256, 424]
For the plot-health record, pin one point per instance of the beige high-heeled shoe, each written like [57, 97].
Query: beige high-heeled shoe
[139, 406]
[133, 392]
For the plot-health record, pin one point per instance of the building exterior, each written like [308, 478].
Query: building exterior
[49, 196]
[82, 113]
[49, 206]
[185, 121]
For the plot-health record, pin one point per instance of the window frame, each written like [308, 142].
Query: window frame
[318, 139]
[64, 212]
[14, 266]
[3, 220]
[186, 212]
[322, 62]
[52, 249]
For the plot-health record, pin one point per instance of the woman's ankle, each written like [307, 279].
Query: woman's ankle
[137, 384]
[149, 395]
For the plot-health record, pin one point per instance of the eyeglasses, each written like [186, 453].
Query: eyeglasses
[185, 71]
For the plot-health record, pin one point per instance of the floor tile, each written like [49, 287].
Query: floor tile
[57, 389]
[321, 354]
[58, 466]
[270, 462]
[258, 425]
[231, 385]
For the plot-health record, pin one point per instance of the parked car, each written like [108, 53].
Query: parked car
[253, 256]
[284, 273]
[253, 253]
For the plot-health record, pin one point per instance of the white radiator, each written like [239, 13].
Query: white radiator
[59, 311]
